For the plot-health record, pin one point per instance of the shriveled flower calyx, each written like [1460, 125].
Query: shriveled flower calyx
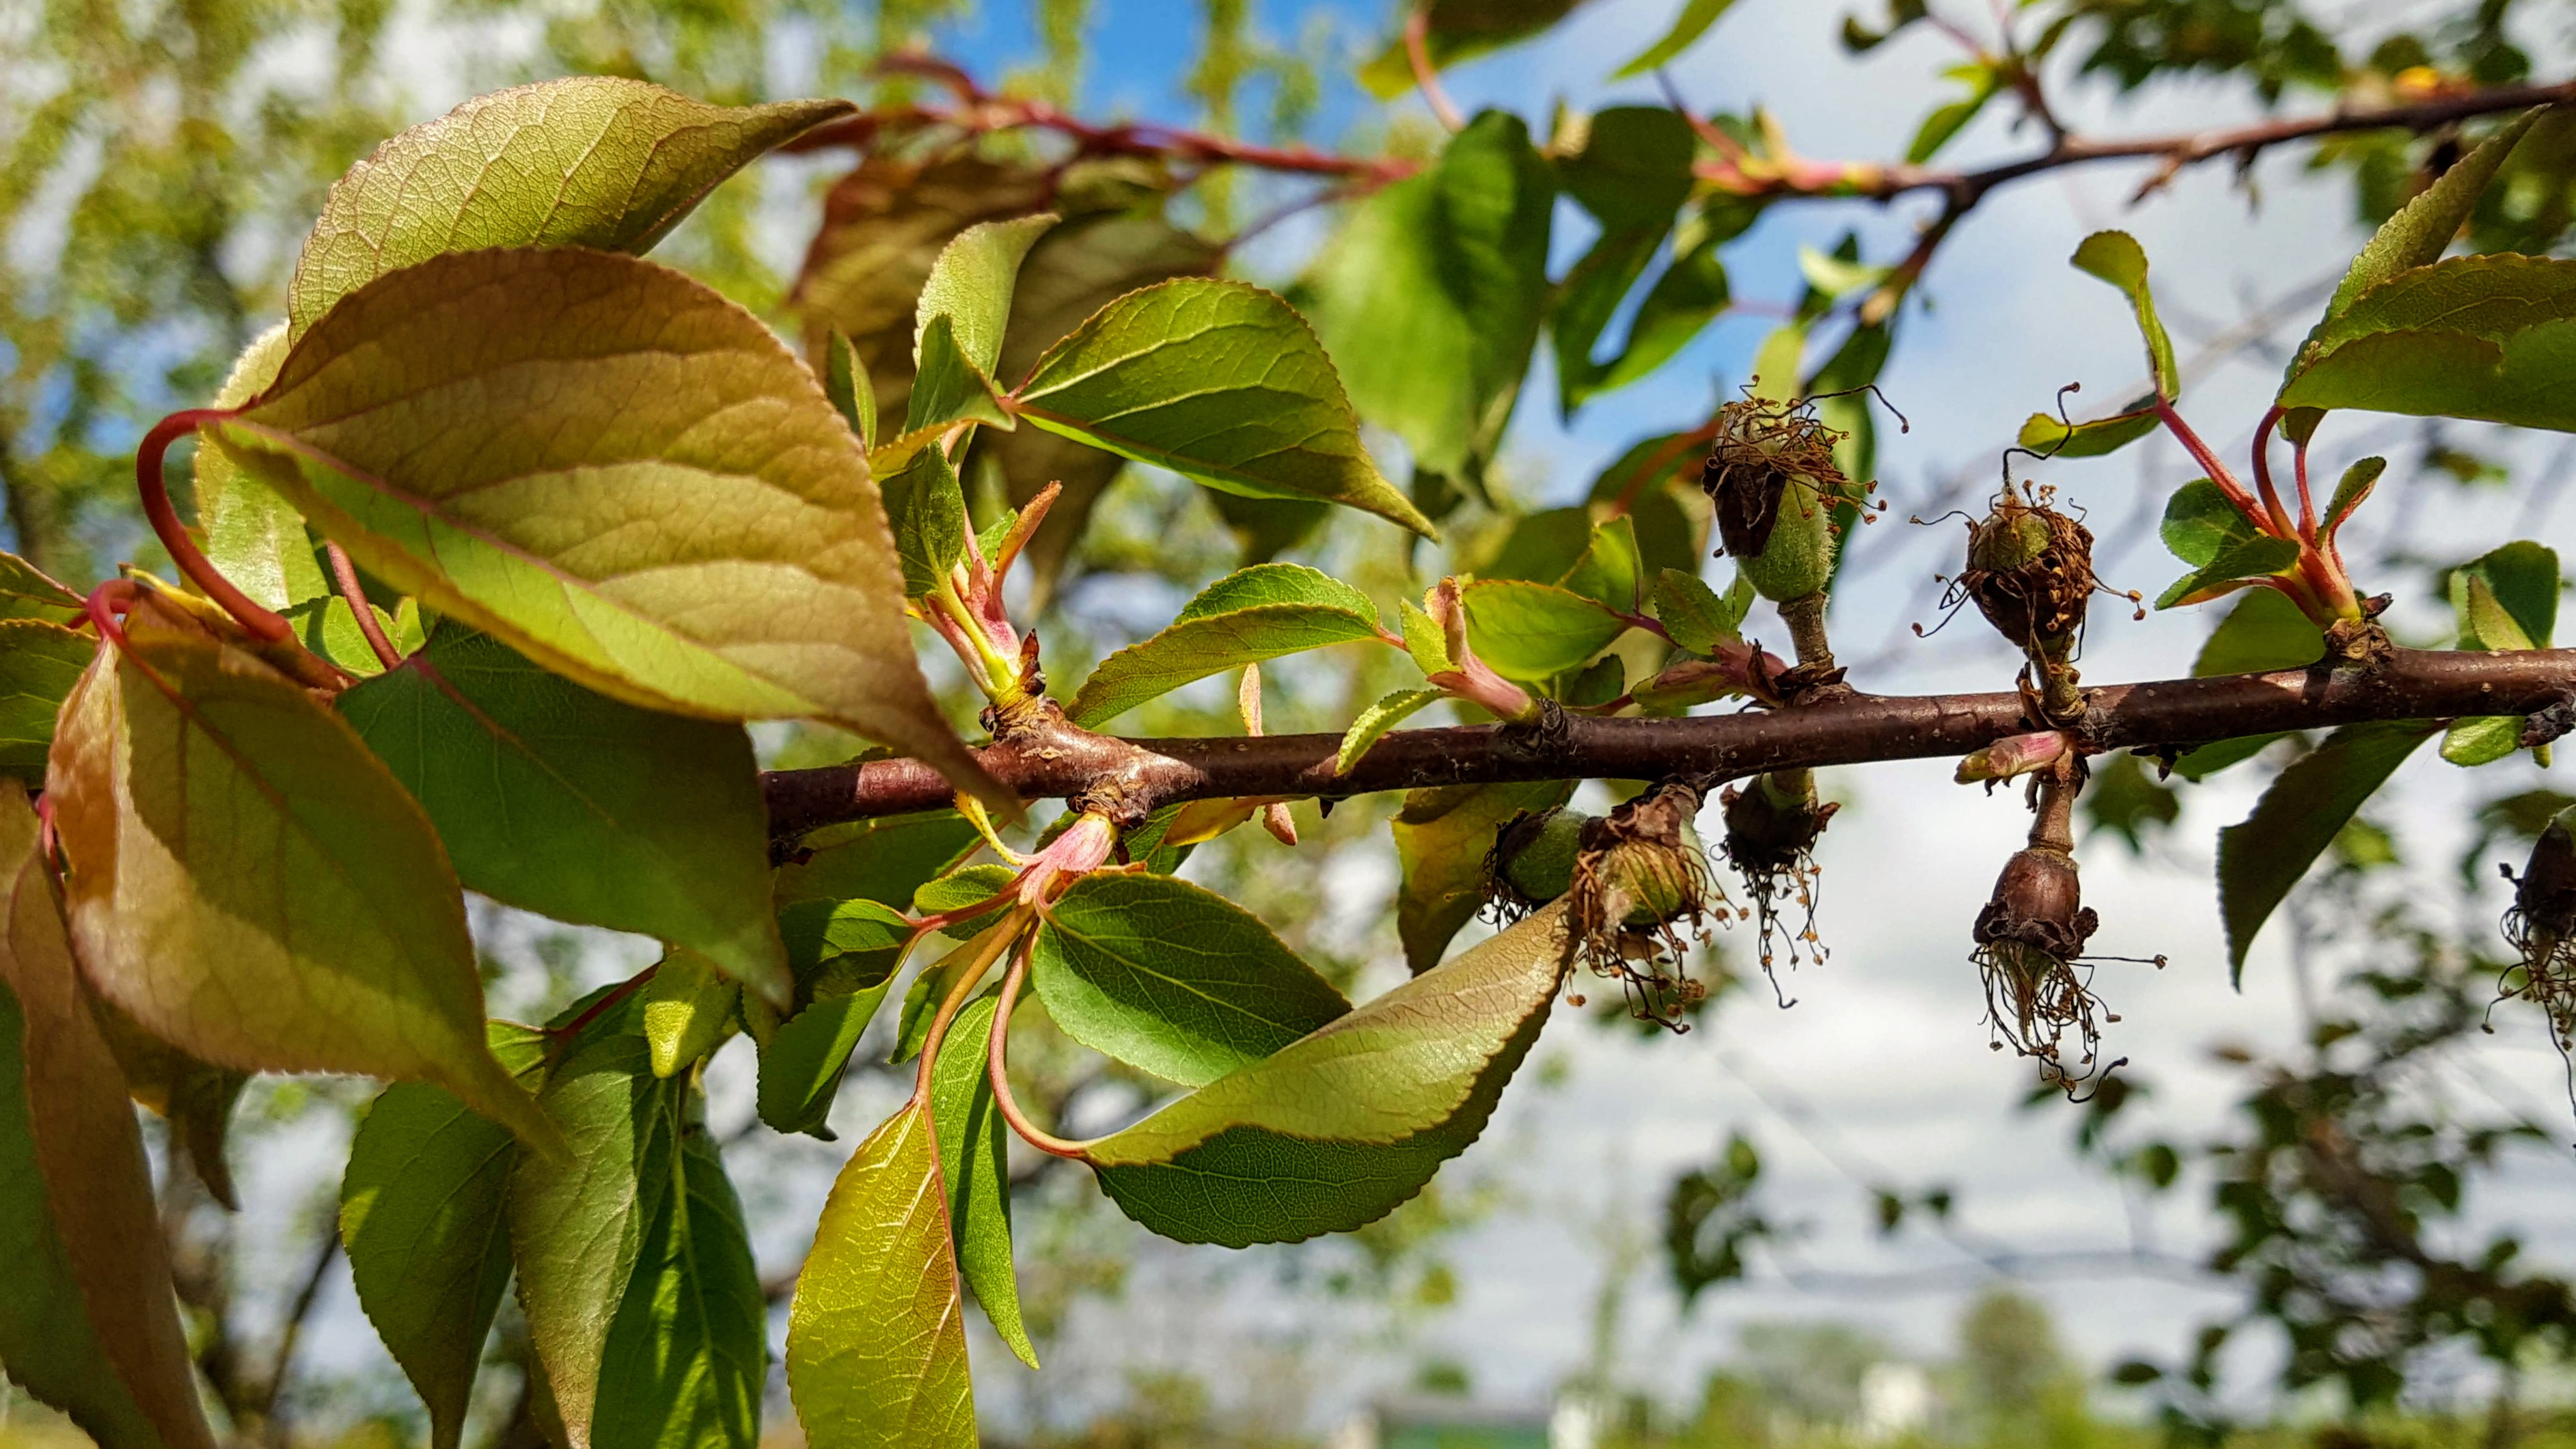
[1771, 477]
[1639, 890]
[2030, 572]
[2030, 939]
[2542, 928]
[1772, 824]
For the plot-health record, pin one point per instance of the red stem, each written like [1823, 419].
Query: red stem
[345, 573]
[174, 536]
[2307, 500]
[2243, 501]
[603, 1005]
[2280, 516]
[1417, 49]
[996, 1062]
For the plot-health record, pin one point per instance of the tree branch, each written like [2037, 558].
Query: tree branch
[1050, 758]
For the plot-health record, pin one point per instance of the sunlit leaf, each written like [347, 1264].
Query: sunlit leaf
[974, 1162]
[1372, 723]
[39, 664]
[687, 1010]
[618, 411]
[586, 161]
[2116, 257]
[2485, 337]
[1250, 615]
[688, 1353]
[1535, 631]
[1693, 22]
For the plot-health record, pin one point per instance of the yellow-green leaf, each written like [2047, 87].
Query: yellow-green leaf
[39, 664]
[1442, 836]
[876, 1341]
[974, 1162]
[615, 471]
[586, 161]
[251, 885]
[687, 1010]
[96, 1189]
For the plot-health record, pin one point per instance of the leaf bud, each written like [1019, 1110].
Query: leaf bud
[2015, 756]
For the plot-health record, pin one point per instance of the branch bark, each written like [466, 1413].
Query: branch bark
[1049, 758]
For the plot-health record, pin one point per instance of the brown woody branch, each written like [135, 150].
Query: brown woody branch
[1048, 758]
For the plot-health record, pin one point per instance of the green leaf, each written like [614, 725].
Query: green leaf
[619, 408]
[1424, 640]
[1220, 382]
[252, 886]
[578, 1226]
[2199, 764]
[1587, 301]
[1984, 83]
[971, 283]
[1248, 616]
[423, 1216]
[1373, 723]
[2508, 597]
[876, 1346]
[927, 507]
[587, 161]
[1173, 979]
[2264, 632]
[1696, 17]
[1694, 615]
[1534, 631]
[577, 806]
[1634, 168]
[847, 953]
[1610, 570]
[882, 860]
[1340, 1127]
[974, 1161]
[2116, 257]
[2200, 524]
[2423, 228]
[1431, 294]
[1442, 837]
[1459, 31]
[687, 1011]
[2047, 436]
[2297, 818]
[39, 664]
[688, 1353]
[2355, 486]
[83, 1307]
[2485, 337]
[2238, 563]
[26, 593]
[2482, 740]
[845, 382]
[947, 389]
[931, 985]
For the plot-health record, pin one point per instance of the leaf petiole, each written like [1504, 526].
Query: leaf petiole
[200, 570]
[997, 1063]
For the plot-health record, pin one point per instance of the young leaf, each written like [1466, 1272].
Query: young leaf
[655, 498]
[2520, 585]
[39, 664]
[578, 1226]
[1610, 570]
[876, 1344]
[2297, 818]
[974, 1162]
[802, 1065]
[253, 887]
[2048, 436]
[970, 285]
[1442, 837]
[422, 1214]
[1431, 294]
[561, 801]
[688, 1352]
[1373, 723]
[927, 507]
[1693, 614]
[687, 1011]
[1535, 631]
[1340, 1127]
[86, 1316]
[2484, 337]
[2200, 524]
[2485, 624]
[1458, 31]
[26, 593]
[884, 225]
[1218, 381]
[946, 389]
[2482, 740]
[1984, 83]
[1424, 640]
[2355, 486]
[586, 161]
[2234, 567]
[1248, 616]
[2116, 257]
[1173, 979]
[2423, 228]
[845, 382]
[1696, 17]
